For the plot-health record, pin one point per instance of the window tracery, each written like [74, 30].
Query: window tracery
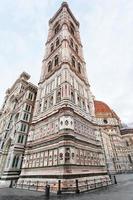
[49, 66]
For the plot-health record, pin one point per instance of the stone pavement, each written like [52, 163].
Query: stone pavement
[122, 191]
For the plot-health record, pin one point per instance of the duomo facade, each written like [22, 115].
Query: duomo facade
[57, 132]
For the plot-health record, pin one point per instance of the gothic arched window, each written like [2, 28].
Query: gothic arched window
[49, 66]
[76, 48]
[79, 101]
[79, 68]
[52, 47]
[13, 162]
[45, 105]
[58, 96]
[72, 97]
[71, 42]
[56, 60]
[72, 28]
[57, 42]
[83, 105]
[56, 27]
[51, 101]
[73, 61]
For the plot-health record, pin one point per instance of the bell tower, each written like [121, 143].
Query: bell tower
[63, 67]
[62, 143]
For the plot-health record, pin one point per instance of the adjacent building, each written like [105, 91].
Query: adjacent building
[127, 135]
[114, 146]
[15, 119]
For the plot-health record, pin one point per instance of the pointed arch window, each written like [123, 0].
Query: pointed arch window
[51, 101]
[45, 105]
[79, 101]
[49, 66]
[72, 97]
[58, 96]
[83, 103]
[56, 60]
[57, 28]
[57, 42]
[79, 68]
[72, 28]
[52, 47]
[73, 61]
[76, 48]
[71, 42]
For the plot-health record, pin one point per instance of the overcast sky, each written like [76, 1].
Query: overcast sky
[106, 28]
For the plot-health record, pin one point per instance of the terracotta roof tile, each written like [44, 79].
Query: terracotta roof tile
[103, 109]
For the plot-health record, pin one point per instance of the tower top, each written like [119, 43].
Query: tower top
[64, 4]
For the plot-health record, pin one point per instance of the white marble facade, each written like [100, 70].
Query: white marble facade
[62, 141]
[15, 118]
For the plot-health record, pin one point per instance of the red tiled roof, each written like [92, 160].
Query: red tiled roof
[102, 108]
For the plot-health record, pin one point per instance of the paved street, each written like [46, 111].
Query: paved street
[122, 191]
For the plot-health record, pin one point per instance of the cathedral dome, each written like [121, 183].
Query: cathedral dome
[103, 110]
[101, 107]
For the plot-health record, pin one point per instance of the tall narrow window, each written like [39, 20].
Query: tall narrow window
[23, 128]
[129, 158]
[79, 68]
[51, 101]
[26, 116]
[72, 97]
[19, 138]
[49, 66]
[56, 60]
[83, 103]
[71, 42]
[57, 42]
[76, 48]
[72, 28]
[57, 28]
[22, 138]
[28, 107]
[52, 47]
[45, 105]
[13, 162]
[30, 96]
[79, 101]
[73, 61]
[16, 163]
[58, 96]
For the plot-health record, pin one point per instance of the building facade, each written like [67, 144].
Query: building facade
[127, 135]
[15, 118]
[62, 146]
[114, 146]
